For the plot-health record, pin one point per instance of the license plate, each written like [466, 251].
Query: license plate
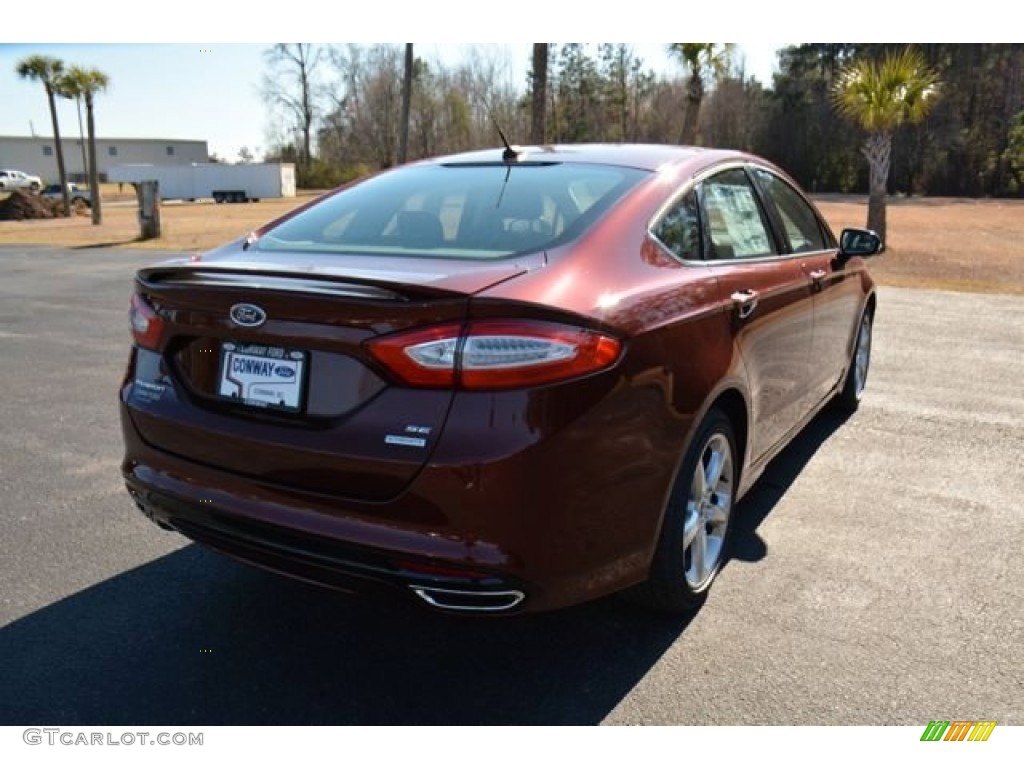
[262, 376]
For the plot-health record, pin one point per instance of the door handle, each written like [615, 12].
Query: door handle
[746, 303]
[817, 274]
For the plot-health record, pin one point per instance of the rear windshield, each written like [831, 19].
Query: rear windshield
[457, 211]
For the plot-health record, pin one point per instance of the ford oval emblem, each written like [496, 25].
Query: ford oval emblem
[248, 315]
[284, 371]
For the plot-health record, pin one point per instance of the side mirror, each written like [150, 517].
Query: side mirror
[858, 242]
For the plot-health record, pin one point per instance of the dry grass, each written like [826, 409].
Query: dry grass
[957, 244]
[952, 243]
[185, 226]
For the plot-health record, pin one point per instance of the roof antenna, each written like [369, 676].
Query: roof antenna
[509, 155]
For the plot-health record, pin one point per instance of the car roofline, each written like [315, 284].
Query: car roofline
[648, 157]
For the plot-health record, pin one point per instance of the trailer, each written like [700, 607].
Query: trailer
[219, 182]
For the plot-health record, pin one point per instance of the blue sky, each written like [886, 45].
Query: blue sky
[209, 90]
[171, 88]
[156, 91]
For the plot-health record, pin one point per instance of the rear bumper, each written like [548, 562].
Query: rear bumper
[517, 516]
[326, 562]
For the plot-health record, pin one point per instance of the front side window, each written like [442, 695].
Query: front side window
[736, 226]
[478, 211]
[801, 225]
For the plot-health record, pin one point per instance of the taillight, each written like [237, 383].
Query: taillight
[494, 354]
[147, 325]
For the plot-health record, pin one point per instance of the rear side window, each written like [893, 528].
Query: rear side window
[801, 225]
[480, 211]
[679, 229]
[735, 224]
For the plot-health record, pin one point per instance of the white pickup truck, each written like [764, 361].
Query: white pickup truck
[11, 179]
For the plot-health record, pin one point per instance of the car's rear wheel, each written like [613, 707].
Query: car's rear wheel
[695, 531]
[850, 396]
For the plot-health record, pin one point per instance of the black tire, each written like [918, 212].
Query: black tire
[34, 187]
[849, 397]
[676, 583]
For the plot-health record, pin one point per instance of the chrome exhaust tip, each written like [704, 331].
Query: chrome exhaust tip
[469, 600]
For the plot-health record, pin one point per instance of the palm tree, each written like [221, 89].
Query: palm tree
[69, 89]
[86, 83]
[880, 96]
[48, 70]
[701, 60]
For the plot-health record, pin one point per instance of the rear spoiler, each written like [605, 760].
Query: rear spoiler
[389, 282]
[271, 280]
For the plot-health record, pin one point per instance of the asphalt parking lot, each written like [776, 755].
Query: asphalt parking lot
[877, 577]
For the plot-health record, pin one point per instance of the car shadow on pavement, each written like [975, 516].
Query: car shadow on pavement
[778, 476]
[193, 638]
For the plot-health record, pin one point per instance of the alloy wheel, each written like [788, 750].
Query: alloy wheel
[863, 355]
[708, 508]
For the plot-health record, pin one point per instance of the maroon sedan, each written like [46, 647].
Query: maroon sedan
[499, 381]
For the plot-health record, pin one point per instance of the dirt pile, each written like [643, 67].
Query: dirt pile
[25, 205]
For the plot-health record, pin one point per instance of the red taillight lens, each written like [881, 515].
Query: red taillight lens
[494, 354]
[147, 325]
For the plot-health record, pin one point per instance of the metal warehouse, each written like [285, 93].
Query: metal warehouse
[37, 155]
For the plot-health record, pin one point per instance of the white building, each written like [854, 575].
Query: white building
[37, 156]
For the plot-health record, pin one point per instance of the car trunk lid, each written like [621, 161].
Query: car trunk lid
[342, 426]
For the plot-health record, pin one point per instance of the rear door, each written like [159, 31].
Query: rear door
[769, 296]
[838, 294]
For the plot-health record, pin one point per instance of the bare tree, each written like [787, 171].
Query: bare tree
[367, 116]
[407, 73]
[292, 84]
[539, 89]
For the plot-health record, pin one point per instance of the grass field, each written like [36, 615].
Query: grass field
[953, 243]
[957, 244]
